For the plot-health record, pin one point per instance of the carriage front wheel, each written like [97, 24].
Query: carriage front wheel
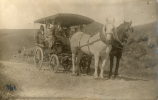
[38, 57]
[54, 62]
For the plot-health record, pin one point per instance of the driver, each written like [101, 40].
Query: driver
[40, 35]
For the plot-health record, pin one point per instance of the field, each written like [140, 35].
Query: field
[138, 69]
[14, 39]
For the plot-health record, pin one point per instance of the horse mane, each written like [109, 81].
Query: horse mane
[118, 33]
[120, 29]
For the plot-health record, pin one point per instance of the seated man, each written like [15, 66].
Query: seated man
[48, 36]
[40, 36]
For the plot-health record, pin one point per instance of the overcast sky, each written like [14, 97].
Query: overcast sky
[22, 13]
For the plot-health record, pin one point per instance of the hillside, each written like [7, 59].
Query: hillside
[140, 57]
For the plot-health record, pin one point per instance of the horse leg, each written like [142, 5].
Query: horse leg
[102, 66]
[96, 57]
[111, 65]
[108, 49]
[78, 62]
[117, 66]
[73, 62]
[88, 66]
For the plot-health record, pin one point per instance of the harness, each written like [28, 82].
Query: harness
[102, 38]
[88, 43]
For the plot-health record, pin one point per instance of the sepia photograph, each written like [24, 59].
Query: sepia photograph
[78, 50]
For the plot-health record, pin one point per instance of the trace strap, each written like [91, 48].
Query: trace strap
[88, 43]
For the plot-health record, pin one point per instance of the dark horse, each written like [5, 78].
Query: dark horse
[119, 38]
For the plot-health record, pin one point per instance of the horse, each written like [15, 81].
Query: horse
[118, 41]
[97, 45]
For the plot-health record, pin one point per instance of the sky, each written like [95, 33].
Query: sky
[21, 14]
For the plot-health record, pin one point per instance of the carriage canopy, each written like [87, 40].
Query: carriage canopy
[66, 19]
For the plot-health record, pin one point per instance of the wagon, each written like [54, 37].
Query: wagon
[58, 56]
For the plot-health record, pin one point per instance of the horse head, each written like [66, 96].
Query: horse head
[123, 31]
[107, 29]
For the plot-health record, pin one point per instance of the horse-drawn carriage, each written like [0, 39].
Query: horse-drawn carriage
[55, 47]
[57, 52]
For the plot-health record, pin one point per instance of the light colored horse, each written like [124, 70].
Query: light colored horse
[97, 45]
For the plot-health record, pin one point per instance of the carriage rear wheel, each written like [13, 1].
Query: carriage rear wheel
[38, 57]
[54, 62]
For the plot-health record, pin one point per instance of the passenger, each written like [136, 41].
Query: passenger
[82, 28]
[54, 29]
[40, 35]
[57, 32]
[48, 31]
[48, 36]
[67, 32]
[58, 29]
[77, 29]
[72, 31]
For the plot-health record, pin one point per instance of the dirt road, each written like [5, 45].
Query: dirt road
[32, 82]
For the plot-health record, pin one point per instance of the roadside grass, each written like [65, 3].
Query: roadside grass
[7, 87]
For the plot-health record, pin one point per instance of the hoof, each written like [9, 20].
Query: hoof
[106, 78]
[78, 74]
[95, 77]
[101, 76]
[109, 77]
[114, 77]
[73, 74]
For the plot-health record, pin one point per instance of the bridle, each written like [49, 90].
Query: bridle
[115, 36]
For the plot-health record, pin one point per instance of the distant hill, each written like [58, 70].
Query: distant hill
[146, 31]
[146, 28]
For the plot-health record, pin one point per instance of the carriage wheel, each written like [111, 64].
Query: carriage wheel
[54, 62]
[38, 57]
